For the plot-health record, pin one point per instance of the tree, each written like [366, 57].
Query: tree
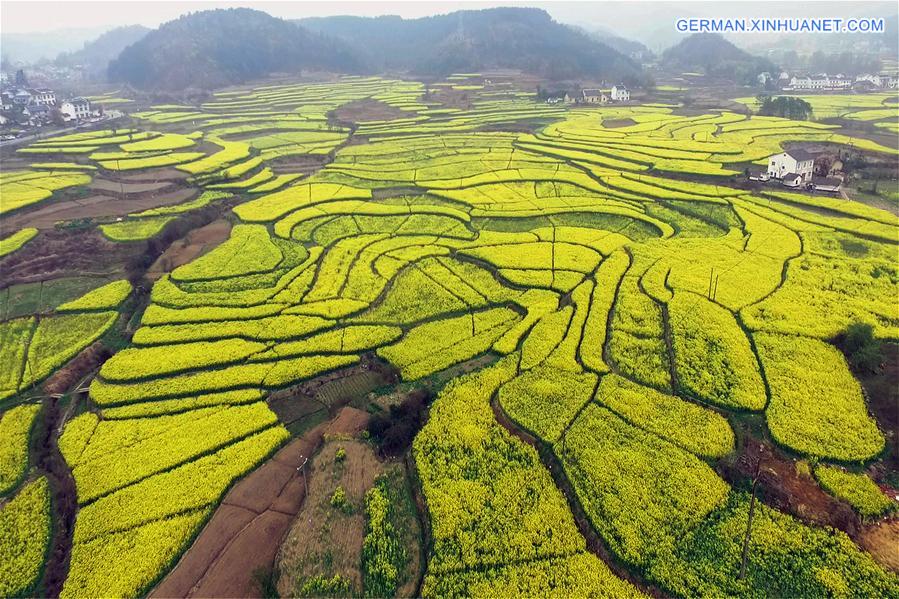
[787, 107]
[861, 348]
[56, 117]
[21, 79]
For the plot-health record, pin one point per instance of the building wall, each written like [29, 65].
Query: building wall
[784, 164]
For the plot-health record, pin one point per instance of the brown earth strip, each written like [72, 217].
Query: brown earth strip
[784, 488]
[45, 216]
[366, 110]
[55, 253]
[326, 540]
[89, 360]
[156, 174]
[64, 501]
[121, 187]
[196, 243]
[244, 534]
[881, 540]
[245, 531]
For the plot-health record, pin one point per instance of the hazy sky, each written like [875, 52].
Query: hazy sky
[18, 16]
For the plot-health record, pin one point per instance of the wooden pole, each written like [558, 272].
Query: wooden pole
[302, 468]
[755, 482]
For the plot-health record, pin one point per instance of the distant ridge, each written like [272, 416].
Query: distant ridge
[96, 54]
[215, 48]
[472, 40]
[713, 55]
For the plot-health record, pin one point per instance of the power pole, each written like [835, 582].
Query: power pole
[755, 482]
[302, 469]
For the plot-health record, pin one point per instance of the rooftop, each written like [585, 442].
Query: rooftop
[800, 155]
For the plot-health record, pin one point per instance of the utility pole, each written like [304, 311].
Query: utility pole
[302, 469]
[755, 482]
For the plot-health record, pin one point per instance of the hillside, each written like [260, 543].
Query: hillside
[713, 55]
[630, 48]
[221, 47]
[96, 55]
[519, 38]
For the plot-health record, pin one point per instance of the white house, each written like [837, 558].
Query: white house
[44, 97]
[75, 109]
[883, 81]
[595, 96]
[620, 93]
[793, 167]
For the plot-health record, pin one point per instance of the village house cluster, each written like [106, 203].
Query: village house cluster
[35, 107]
[825, 82]
[800, 169]
[618, 93]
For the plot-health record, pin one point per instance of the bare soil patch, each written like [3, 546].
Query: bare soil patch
[194, 244]
[783, 487]
[45, 216]
[54, 253]
[881, 541]
[319, 399]
[615, 123]
[349, 421]
[366, 110]
[243, 535]
[305, 164]
[122, 187]
[326, 539]
[153, 174]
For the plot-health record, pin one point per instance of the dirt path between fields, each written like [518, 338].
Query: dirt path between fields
[241, 540]
[64, 503]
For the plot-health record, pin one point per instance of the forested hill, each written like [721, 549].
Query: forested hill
[713, 55]
[221, 47]
[472, 40]
[96, 54]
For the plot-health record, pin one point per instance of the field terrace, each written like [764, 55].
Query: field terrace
[637, 305]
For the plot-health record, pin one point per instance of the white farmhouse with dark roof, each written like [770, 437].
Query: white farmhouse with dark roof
[75, 109]
[620, 93]
[793, 167]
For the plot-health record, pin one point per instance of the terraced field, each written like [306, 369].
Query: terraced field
[638, 306]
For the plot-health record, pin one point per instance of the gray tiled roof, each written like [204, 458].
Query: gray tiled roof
[800, 155]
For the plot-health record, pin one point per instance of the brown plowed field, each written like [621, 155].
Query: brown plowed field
[245, 532]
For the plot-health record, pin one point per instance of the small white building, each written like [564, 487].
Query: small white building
[831, 184]
[793, 167]
[75, 109]
[620, 93]
[595, 96]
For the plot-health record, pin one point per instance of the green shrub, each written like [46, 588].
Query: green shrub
[322, 586]
[862, 349]
[340, 500]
